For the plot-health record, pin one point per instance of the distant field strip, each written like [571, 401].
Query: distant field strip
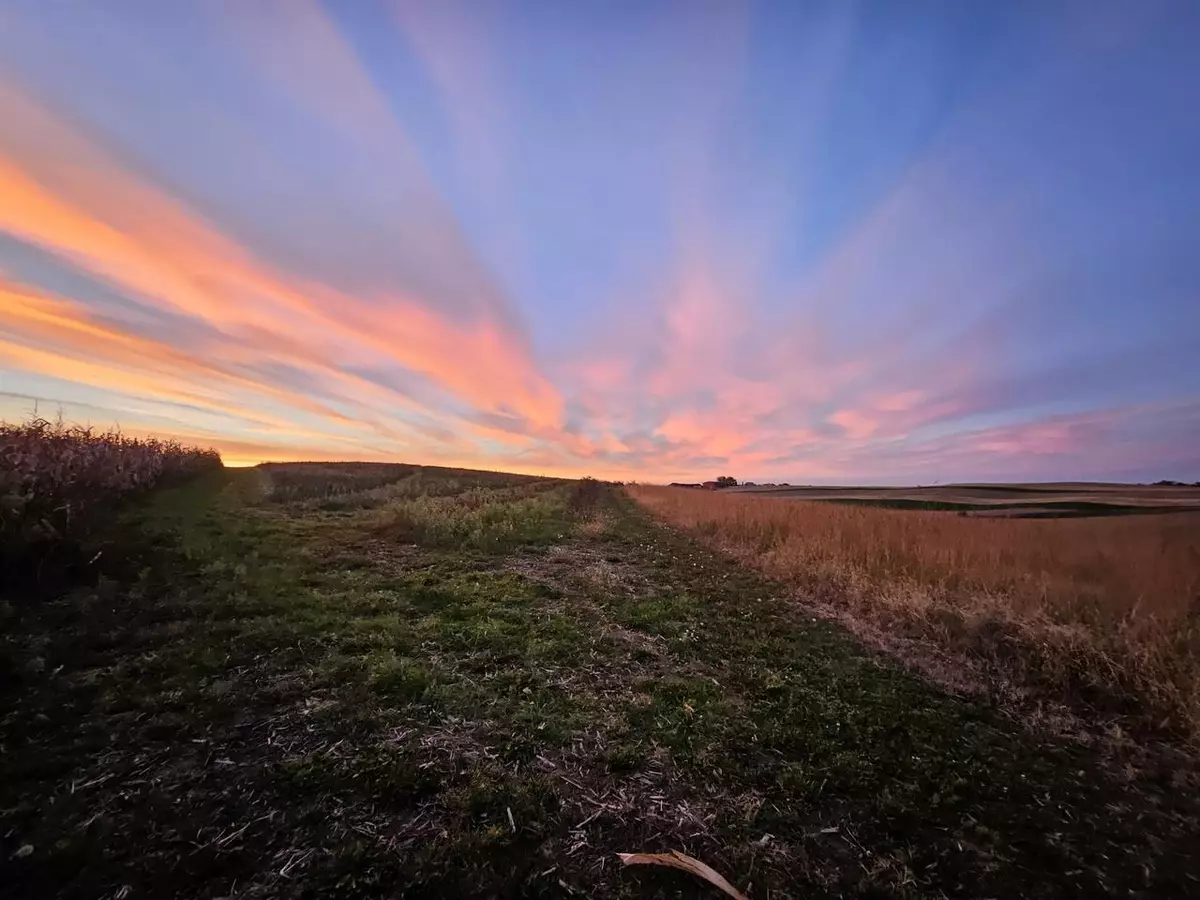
[1039, 509]
[1034, 501]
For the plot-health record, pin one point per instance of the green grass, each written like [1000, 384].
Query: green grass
[478, 519]
[464, 684]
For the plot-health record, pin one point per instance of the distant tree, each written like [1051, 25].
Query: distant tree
[725, 481]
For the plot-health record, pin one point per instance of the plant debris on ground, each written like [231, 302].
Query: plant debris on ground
[323, 681]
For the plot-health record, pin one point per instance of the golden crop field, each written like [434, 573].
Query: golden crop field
[1100, 606]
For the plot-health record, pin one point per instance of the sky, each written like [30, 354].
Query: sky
[878, 242]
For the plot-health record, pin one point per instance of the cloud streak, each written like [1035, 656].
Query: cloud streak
[381, 253]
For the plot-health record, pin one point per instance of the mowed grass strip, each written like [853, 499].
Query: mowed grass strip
[267, 696]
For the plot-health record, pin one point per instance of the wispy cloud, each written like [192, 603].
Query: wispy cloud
[567, 244]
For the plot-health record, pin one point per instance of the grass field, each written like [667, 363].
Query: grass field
[1100, 610]
[367, 681]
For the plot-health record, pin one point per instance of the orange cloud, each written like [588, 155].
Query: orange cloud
[417, 354]
[75, 347]
[80, 205]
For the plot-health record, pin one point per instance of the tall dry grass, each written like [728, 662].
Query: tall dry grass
[57, 480]
[1107, 609]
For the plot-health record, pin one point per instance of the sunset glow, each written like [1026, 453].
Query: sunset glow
[813, 243]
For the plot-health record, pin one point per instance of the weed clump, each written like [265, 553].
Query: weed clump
[484, 519]
[584, 496]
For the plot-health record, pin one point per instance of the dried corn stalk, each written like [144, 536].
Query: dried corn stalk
[677, 860]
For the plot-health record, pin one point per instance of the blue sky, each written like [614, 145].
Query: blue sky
[790, 241]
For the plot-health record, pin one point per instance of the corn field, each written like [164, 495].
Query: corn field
[56, 478]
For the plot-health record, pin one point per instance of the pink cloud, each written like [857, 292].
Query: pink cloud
[710, 362]
[855, 424]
